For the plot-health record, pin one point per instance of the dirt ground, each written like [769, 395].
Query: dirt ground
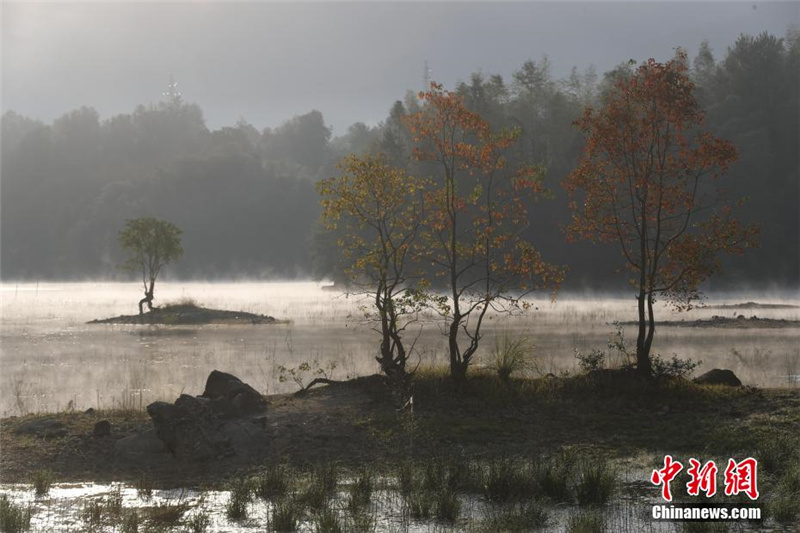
[355, 422]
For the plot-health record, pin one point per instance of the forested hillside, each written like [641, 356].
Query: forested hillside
[246, 202]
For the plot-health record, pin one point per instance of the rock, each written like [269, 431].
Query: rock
[102, 429]
[140, 447]
[48, 428]
[244, 397]
[719, 376]
[188, 429]
[89, 411]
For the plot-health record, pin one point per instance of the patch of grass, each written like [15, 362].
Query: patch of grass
[273, 483]
[586, 522]
[596, 483]
[327, 521]
[446, 506]
[360, 491]
[241, 493]
[505, 480]
[420, 505]
[511, 354]
[516, 518]
[286, 516]
[42, 481]
[554, 476]
[14, 518]
[130, 521]
[198, 523]
[144, 486]
[166, 515]
[92, 514]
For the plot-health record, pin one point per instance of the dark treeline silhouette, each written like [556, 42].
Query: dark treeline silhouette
[246, 203]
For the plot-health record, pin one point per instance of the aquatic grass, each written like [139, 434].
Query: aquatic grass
[198, 523]
[130, 521]
[596, 482]
[446, 506]
[14, 518]
[286, 516]
[42, 481]
[586, 522]
[241, 494]
[144, 486]
[553, 476]
[273, 483]
[515, 518]
[327, 521]
[360, 491]
[92, 514]
[419, 505]
[505, 479]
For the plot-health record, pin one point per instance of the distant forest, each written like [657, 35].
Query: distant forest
[246, 202]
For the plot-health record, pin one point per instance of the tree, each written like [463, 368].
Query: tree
[151, 245]
[476, 209]
[643, 182]
[380, 211]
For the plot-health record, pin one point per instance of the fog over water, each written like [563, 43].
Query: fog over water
[51, 357]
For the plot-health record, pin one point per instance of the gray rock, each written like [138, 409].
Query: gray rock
[48, 428]
[143, 446]
[188, 428]
[719, 376]
[244, 397]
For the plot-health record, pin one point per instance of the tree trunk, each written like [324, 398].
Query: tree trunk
[643, 365]
[458, 369]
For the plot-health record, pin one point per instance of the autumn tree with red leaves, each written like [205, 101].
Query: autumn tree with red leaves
[476, 208]
[645, 181]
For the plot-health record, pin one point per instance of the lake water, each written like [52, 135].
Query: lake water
[51, 359]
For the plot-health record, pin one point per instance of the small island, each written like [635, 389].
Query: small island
[188, 313]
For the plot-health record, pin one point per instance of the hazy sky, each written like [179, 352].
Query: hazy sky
[266, 62]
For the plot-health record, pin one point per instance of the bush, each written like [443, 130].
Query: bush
[594, 360]
[674, 368]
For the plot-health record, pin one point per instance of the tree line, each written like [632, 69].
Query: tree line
[246, 199]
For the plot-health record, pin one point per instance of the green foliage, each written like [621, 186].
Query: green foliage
[14, 518]
[586, 522]
[286, 516]
[596, 482]
[42, 481]
[511, 355]
[594, 360]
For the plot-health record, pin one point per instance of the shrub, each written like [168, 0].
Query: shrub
[594, 360]
[673, 368]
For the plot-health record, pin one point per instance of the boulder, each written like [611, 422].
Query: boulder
[188, 429]
[719, 376]
[144, 447]
[244, 398]
[48, 428]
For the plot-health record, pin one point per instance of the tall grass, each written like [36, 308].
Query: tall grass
[14, 518]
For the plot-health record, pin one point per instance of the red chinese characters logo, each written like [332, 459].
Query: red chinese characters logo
[703, 479]
[739, 477]
[665, 475]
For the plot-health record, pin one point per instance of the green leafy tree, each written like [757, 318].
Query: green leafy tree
[377, 209]
[151, 244]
